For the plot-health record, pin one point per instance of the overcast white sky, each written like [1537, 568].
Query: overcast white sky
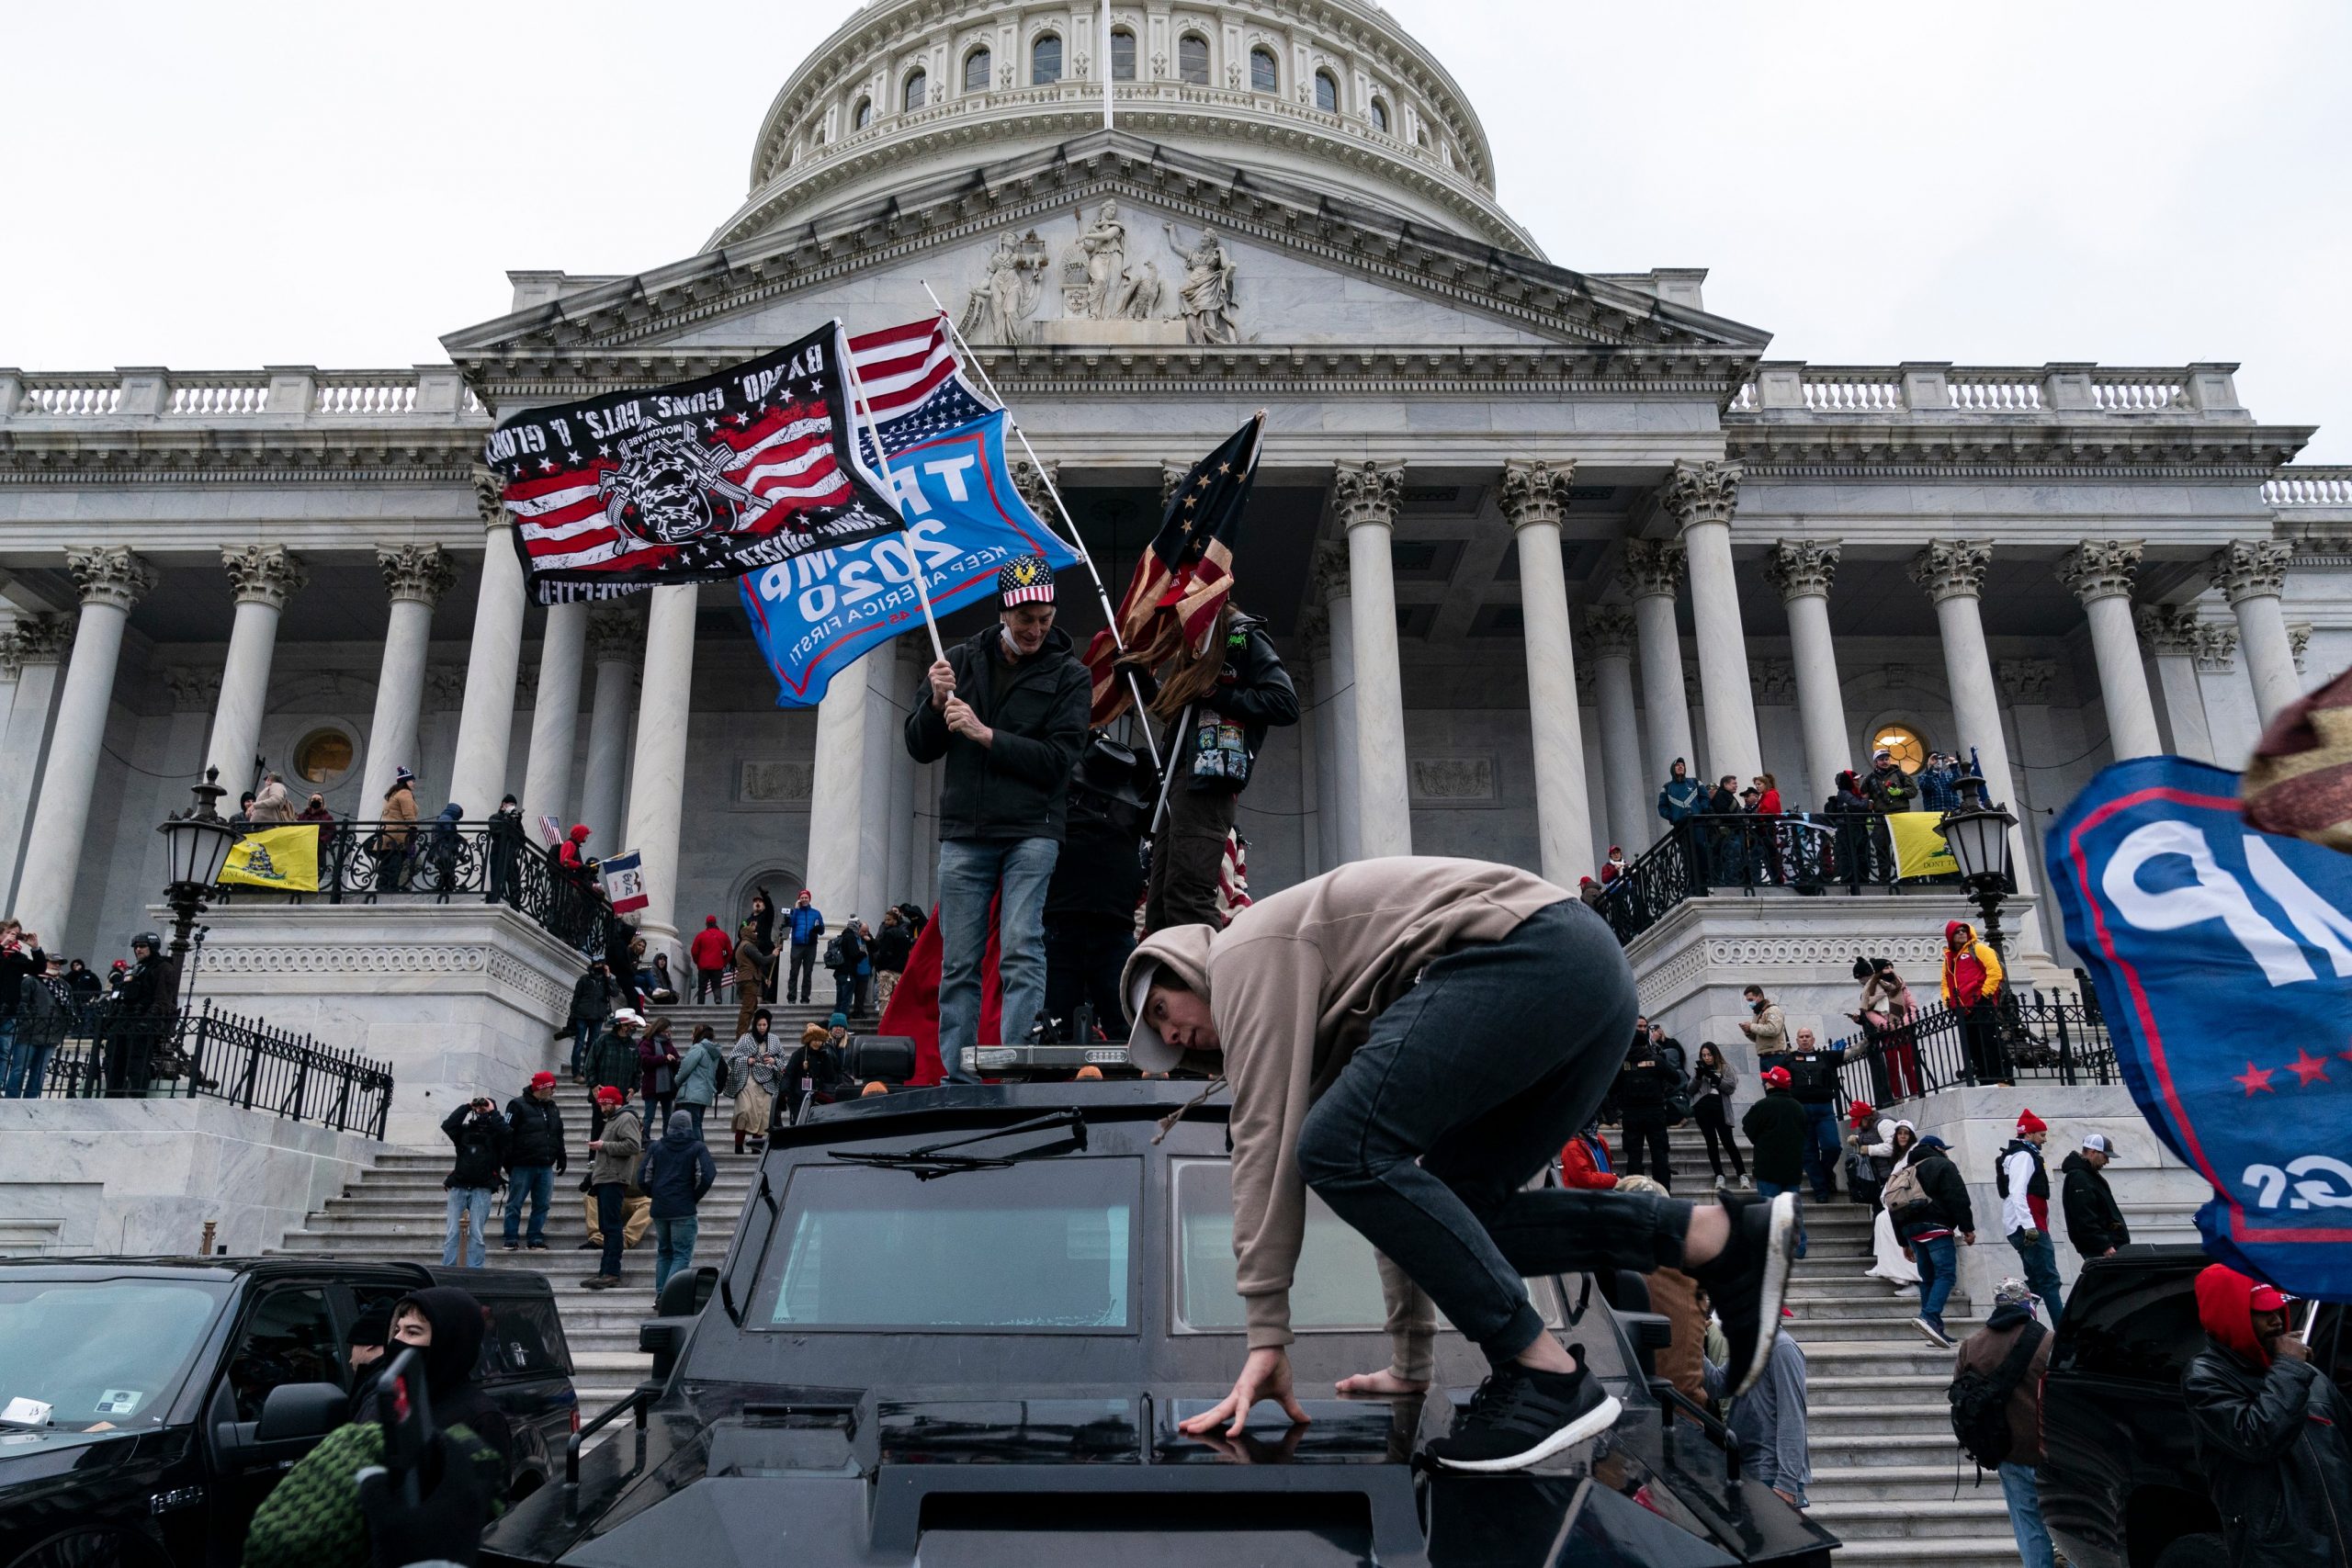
[230, 184]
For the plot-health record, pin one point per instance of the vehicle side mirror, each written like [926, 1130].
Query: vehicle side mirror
[662, 1338]
[686, 1293]
[293, 1418]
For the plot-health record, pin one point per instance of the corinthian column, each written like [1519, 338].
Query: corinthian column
[415, 576]
[486, 723]
[2252, 575]
[1335, 688]
[615, 639]
[2100, 572]
[1534, 494]
[265, 576]
[1611, 628]
[555, 713]
[1802, 570]
[37, 646]
[111, 580]
[1653, 576]
[657, 805]
[1702, 496]
[1366, 495]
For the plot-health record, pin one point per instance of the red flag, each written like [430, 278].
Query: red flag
[914, 1005]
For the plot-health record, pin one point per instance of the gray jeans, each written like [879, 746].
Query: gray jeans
[1464, 1091]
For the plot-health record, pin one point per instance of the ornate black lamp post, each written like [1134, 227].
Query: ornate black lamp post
[197, 841]
[1978, 837]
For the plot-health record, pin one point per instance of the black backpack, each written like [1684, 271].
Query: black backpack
[1980, 1415]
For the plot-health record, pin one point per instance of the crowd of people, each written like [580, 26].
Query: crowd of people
[126, 1014]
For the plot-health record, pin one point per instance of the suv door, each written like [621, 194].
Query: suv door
[287, 1335]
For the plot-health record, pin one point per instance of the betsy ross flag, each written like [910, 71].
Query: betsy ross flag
[1187, 575]
[698, 481]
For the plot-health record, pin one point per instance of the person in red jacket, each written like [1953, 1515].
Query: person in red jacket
[712, 954]
[572, 856]
[1585, 1161]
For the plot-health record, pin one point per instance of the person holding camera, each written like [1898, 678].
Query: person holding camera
[480, 1134]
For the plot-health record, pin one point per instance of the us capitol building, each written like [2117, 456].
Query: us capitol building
[1524, 534]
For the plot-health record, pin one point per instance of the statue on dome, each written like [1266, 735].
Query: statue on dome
[1205, 296]
[1101, 252]
[997, 309]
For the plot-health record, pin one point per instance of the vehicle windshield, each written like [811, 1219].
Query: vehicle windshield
[103, 1355]
[1029, 1248]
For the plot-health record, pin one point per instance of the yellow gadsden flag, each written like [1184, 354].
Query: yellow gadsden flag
[283, 858]
[1919, 849]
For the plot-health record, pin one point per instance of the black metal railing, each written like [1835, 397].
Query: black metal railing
[1801, 853]
[96, 1050]
[2051, 1036]
[491, 863]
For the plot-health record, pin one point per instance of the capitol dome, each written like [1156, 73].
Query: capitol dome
[1330, 93]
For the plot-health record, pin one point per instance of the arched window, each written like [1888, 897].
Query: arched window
[977, 66]
[864, 115]
[1379, 117]
[1265, 75]
[917, 81]
[1327, 92]
[1910, 752]
[1123, 55]
[1193, 59]
[1045, 60]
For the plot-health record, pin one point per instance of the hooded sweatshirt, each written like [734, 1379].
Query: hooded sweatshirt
[2269, 1435]
[678, 1171]
[710, 948]
[1294, 985]
[452, 1360]
[575, 845]
[1971, 971]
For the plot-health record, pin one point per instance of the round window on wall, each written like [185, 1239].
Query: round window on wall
[1910, 753]
[322, 757]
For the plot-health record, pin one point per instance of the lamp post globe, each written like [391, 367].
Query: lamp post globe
[1978, 837]
[196, 843]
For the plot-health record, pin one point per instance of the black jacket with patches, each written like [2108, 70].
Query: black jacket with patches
[1017, 787]
[1252, 689]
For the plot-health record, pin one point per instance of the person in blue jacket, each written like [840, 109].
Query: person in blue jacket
[806, 924]
[1682, 797]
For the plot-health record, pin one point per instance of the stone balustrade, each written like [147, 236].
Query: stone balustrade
[2313, 486]
[1778, 388]
[210, 396]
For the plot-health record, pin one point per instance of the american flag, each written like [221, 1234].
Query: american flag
[914, 385]
[693, 482]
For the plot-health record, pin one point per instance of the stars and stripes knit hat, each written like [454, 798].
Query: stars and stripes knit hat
[1026, 580]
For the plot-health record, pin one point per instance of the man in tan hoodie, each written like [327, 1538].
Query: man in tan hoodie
[1415, 1039]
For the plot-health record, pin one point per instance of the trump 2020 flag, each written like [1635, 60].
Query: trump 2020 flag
[2222, 957]
[815, 615]
[694, 482]
[623, 876]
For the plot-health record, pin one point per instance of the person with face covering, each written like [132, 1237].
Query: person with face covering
[2269, 1430]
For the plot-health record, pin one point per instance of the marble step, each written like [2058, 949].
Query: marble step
[1891, 1392]
[1911, 1486]
[1866, 1451]
[562, 1263]
[1909, 1519]
[1979, 1550]
[1876, 1330]
[1873, 1358]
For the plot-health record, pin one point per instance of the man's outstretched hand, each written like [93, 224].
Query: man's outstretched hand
[1265, 1375]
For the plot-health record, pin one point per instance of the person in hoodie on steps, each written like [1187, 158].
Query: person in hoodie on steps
[700, 1072]
[1394, 1039]
[1006, 711]
[1926, 1226]
[478, 1172]
[677, 1173]
[2094, 1221]
[711, 952]
[535, 1157]
[2269, 1428]
[1972, 987]
[1983, 1353]
[2024, 1185]
[617, 1150]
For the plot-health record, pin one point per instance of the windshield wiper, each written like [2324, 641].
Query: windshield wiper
[936, 1159]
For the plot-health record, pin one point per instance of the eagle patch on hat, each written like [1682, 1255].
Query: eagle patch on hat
[1026, 580]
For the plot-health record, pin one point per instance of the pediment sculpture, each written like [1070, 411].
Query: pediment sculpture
[999, 306]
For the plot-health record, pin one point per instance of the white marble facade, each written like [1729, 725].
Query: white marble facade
[2055, 564]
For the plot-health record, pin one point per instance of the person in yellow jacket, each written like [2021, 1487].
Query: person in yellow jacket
[1972, 989]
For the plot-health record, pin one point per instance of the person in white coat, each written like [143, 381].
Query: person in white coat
[1888, 1261]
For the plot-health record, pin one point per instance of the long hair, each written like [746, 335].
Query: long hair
[1191, 677]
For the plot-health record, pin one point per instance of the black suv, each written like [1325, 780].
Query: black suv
[2119, 1478]
[979, 1354]
[181, 1388]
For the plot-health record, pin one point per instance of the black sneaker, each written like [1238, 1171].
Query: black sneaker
[1518, 1416]
[1749, 1277]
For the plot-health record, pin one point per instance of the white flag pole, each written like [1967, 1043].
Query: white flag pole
[1077, 540]
[1105, 57]
[864, 410]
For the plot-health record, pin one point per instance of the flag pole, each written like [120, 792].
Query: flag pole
[1105, 55]
[1077, 539]
[882, 461]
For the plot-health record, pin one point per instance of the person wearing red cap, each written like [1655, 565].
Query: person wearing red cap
[1776, 1128]
[2269, 1431]
[2024, 1185]
[711, 952]
[617, 1150]
[535, 1157]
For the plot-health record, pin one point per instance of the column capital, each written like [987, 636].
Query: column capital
[1031, 480]
[1330, 569]
[2249, 569]
[2027, 680]
[2299, 642]
[264, 574]
[42, 640]
[1952, 568]
[2168, 629]
[490, 497]
[1703, 493]
[1535, 491]
[1367, 492]
[2101, 569]
[614, 637]
[1654, 567]
[111, 574]
[1802, 568]
[2217, 648]
[193, 691]
[422, 572]
[1611, 628]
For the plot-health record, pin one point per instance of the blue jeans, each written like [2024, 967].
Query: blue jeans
[673, 1247]
[971, 872]
[582, 1034]
[473, 1200]
[696, 1111]
[537, 1183]
[1822, 1150]
[2040, 1260]
[1770, 1190]
[1466, 1087]
[1939, 1272]
[2024, 1516]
